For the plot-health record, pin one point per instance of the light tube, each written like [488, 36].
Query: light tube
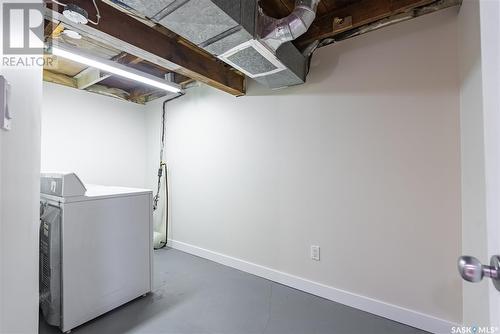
[117, 69]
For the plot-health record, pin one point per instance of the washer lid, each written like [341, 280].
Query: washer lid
[97, 192]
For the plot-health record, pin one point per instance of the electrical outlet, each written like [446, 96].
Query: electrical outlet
[315, 253]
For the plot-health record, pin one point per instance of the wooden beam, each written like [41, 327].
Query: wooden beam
[143, 97]
[89, 76]
[109, 91]
[126, 58]
[361, 12]
[139, 39]
[58, 78]
[140, 95]
[182, 80]
[53, 30]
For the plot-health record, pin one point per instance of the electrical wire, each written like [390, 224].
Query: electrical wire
[98, 14]
[156, 198]
[59, 3]
[163, 168]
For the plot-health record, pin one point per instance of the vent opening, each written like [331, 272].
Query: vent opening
[253, 59]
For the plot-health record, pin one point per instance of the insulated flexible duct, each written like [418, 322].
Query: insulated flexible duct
[275, 32]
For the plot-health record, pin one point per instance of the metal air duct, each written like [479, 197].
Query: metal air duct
[239, 33]
[275, 32]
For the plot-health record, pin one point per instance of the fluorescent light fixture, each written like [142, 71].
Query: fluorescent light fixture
[116, 68]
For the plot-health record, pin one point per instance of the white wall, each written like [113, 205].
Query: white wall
[363, 160]
[19, 202]
[100, 138]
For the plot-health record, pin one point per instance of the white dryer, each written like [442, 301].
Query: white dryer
[96, 249]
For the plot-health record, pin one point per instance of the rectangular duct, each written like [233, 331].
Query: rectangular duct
[229, 30]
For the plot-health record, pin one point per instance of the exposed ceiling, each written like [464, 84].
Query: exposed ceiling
[280, 8]
[75, 75]
[139, 43]
[347, 18]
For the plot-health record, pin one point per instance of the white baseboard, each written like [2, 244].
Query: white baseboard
[377, 307]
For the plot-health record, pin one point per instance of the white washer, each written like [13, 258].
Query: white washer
[96, 248]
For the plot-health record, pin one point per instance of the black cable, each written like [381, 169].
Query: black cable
[163, 168]
[164, 243]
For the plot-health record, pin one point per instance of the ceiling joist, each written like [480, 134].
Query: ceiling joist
[89, 77]
[134, 37]
[60, 79]
[361, 13]
[145, 46]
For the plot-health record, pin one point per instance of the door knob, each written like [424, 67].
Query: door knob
[472, 270]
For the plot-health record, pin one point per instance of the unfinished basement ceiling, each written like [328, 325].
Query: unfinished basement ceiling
[75, 75]
[333, 17]
[163, 37]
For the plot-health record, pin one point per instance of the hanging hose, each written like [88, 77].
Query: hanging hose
[162, 164]
[162, 240]
[163, 171]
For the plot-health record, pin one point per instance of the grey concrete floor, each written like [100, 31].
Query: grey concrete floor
[195, 296]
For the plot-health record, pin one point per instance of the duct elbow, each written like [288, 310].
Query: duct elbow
[300, 20]
[278, 31]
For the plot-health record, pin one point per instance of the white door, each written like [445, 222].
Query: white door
[490, 38]
[480, 117]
